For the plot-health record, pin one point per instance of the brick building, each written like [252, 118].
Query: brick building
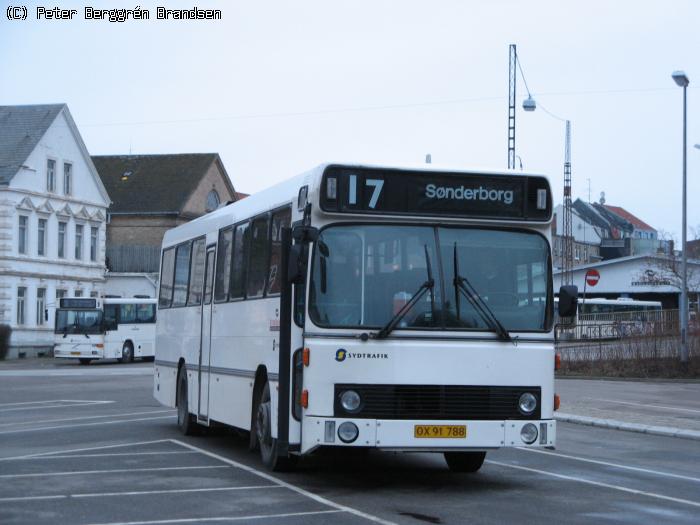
[151, 194]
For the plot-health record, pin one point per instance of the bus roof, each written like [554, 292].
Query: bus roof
[130, 300]
[286, 192]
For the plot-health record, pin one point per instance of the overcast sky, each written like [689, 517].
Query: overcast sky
[277, 87]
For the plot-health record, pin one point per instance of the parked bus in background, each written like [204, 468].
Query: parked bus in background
[88, 329]
[598, 318]
[404, 309]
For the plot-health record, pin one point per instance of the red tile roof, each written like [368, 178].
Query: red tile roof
[241, 195]
[636, 221]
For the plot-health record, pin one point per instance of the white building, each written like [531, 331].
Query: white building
[53, 208]
[644, 277]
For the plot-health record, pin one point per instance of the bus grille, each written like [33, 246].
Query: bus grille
[437, 402]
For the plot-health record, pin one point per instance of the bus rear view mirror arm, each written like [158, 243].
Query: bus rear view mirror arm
[568, 301]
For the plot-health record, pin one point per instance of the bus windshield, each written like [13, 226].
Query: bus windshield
[78, 321]
[364, 274]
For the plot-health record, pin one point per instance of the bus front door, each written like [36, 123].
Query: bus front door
[205, 340]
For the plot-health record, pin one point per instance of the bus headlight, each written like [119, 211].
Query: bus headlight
[348, 432]
[527, 403]
[528, 433]
[350, 401]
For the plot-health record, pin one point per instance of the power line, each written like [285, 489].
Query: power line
[249, 116]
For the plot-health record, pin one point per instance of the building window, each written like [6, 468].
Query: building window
[60, 294]
[21, 297]
[67, 178]
[78, 241]
[78, 293]
[41, 237]
[62, 239]
[94, 294]
[51, 175]
[213, 200]
[40, 306]
[93, 243]
[22, 236]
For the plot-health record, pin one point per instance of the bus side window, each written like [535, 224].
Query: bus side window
[145, 313]
[240, 256]
[223, 265]
[167, 271]
[280, 219]
[257, 264]
[182, 270]
[127, 313]
[197, 272]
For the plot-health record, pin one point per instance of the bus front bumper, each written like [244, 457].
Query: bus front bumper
[84, 351]
[403, 435]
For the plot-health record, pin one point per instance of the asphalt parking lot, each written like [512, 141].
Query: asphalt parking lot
[89, 445]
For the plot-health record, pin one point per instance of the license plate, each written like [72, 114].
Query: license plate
[75, 353]
[440, 431]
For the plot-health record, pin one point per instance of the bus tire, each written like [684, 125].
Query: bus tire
[186, 422]
[263, 434]
[464, 461]
[84, 361]
[127, 353]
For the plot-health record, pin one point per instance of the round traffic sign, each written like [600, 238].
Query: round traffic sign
[592, 277]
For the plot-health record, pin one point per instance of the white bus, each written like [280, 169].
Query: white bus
[113, 328]
[614, 318]
[406, 310]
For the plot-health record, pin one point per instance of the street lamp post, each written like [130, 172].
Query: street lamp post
[682, 80]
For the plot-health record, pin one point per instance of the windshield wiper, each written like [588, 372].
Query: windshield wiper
[463, 285]
[427, 285]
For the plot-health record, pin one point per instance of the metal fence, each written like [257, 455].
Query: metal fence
[608, 326]
[126, 258]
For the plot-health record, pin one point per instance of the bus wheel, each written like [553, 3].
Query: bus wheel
[84, 361]
[263, 433]
[464, 461]
[185, 421]
[127, 353]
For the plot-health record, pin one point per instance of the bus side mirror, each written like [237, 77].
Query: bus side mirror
[296, 268]
[109, 325]
[568, 301]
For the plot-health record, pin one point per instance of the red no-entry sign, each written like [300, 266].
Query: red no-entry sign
[592, 277]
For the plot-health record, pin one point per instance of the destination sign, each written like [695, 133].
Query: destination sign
[78, 302]
[382, 191]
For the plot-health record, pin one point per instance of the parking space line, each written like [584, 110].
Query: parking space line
[616, 465]
[19, 430]
[596, 483]
[54, 403]
[135, 493]
[117, 454]
[223, 518]
[49, 401]
[86, 449]
[109, 471]
[265, 475]
[16, 423]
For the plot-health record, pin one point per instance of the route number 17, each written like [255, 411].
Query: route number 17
[376, 185]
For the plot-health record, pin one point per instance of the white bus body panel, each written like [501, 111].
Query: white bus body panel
[409, 361]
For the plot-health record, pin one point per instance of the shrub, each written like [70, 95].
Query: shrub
[5, 332]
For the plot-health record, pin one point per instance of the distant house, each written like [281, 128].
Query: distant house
[151, 194]
[53, 209]
[603, 232]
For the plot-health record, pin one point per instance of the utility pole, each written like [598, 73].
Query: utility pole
[567, 275]
[512, 64]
